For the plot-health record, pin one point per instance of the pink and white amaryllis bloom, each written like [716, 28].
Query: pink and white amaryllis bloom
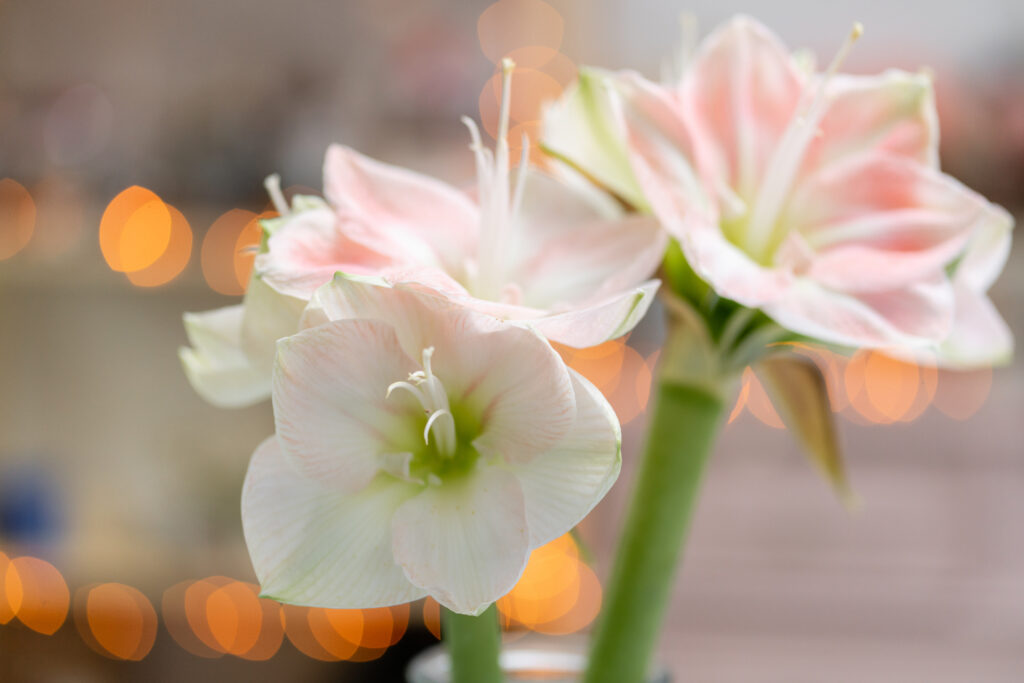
[557, 254]
[816, 197]
[422, 448]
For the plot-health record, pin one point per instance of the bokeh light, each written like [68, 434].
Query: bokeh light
[173, 260]
[557, 594]
[116, 620]
[756, 401]
[432, 616]
[35, 592]
[135, 230]
[511, 24]
[229, 249]
[6, 611]
[17, 217]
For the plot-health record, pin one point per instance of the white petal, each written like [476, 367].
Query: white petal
[413, 314]
[503, 372]
[268, 316]
[987, 251]
[216, 366]
[564, 484]
[980, 336]
[583, 128]
[466, 541]
[600, 322]
[330, 407]
[312, 544]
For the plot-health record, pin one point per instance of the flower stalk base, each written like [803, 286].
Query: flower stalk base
[682, 432]
[473, 645]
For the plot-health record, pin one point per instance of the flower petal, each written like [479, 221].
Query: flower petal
[917, 316]
[564, 484]
[466, 541]
[411, 217]
[312, 544]
[980, 336]
[590, 261]
[663, 154]
[892, 112]
[582, 128]
[268, 316]
[599, 322]
[882, 222]
[216, 366]
[308, 248]
[987, 251]
[331, 409]
[741, 93]
[504, 372]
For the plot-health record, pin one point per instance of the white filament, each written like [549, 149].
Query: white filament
[498, 204]
[429, 391]
[273, 185]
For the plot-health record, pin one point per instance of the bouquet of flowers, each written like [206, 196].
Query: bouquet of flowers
[428, 435]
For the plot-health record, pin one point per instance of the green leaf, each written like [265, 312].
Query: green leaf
[798, 392]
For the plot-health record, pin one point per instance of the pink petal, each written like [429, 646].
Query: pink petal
[413, 218]
[663, 154]
[892, 112]
[332, 417]
[741, 93]
[308, 249]
[881, 222]
[590, 262]
[916, 316]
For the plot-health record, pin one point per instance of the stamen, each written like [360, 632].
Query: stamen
[785, 162]
[524, 162]
[493, 192]
[272, 183]
[408, 387]
[445, 434]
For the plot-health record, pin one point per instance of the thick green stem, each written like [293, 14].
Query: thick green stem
[473, 644]
[683, 428]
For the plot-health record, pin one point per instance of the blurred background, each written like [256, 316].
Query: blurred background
[121, 554]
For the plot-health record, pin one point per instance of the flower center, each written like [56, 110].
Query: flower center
[489, 277]
[446, 451]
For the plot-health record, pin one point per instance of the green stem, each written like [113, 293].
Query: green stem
[473, 645]
[683, 428]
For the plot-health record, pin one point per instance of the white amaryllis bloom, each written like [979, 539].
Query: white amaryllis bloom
[553, 252]
[815, 197]
[422, 448]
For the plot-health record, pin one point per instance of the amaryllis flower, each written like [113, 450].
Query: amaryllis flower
[422, 448]
[814, 197]
[558, 254]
